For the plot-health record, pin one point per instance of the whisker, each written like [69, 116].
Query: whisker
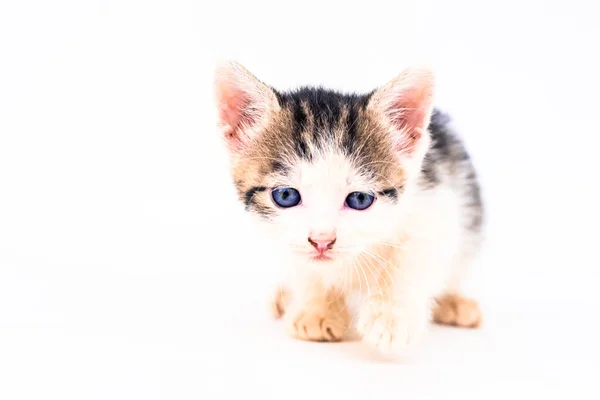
[372, 255]
[342, 291]
[373, 274]
[396, 246]
[263, 158]
[357, 274]
[366, 278]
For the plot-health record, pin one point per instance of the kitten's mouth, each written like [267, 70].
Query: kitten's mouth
[322, 257]
[316, 256]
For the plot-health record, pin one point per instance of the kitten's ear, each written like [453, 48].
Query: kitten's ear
[244, 104]
[404, 106]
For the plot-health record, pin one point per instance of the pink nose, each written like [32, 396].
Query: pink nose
[322, 243]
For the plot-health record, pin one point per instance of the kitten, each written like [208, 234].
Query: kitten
[371, 193]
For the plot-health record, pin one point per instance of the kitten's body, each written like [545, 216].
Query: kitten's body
[412, 245]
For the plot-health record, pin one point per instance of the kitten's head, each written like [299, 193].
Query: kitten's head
[327, 173]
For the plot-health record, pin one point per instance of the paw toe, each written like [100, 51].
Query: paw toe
[319, 328]
[457, 311]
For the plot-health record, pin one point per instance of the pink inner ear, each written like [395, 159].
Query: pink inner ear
[408, 110]
[408, 116]
[234, 114]
[243, 102]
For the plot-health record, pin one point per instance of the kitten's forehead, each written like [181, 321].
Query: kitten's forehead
[314, 123]
[319, 119]
[328, 170]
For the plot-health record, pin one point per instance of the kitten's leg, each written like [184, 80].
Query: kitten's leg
[395, 323]
[453, 307]
[280, 301]
[397, 315]
[318, 314]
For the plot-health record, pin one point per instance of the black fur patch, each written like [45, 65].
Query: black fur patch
[279, 167]
[249, 196]
[351, 130]
[447, 159]
[392, 193]
[251, 204]
[326, 109]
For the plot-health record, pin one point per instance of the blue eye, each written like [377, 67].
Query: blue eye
[359, 200]
[286, 197]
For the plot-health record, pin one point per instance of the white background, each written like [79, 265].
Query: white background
[126, 269]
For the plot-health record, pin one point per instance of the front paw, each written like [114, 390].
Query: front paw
[321, 323]
[391, 329]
